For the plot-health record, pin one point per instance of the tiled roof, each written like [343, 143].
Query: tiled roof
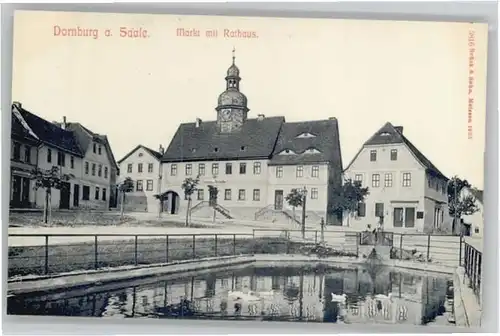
[85, 137]
[256, 139]
[17, 129]
[322, 138]
[51, 134]
[390, 134]
[154, 153]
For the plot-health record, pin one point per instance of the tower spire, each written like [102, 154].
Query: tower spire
[234, 54]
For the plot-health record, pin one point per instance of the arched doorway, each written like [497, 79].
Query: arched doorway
[170, 203]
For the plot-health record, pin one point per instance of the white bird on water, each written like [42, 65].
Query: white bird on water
[382, 297]
[266, 294]
[339, 298]
[247, 297]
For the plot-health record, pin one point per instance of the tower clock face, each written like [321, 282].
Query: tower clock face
[225, 115]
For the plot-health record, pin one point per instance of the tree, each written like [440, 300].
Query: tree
[127, 185]
[161, 199]
[189, 186]
[346, 198]
[295, 199]
[459, 205]
[48, 180]
[213, 192]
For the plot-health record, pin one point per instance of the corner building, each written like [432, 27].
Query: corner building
[254, 162]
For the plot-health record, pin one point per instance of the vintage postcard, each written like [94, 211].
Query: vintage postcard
[247, 168]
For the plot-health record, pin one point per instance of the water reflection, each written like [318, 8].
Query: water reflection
[291, 294]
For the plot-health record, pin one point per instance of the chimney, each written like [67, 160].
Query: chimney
[198, 122]
[332, 118]
[260, 117]
[64, 124]
[162, 150]
[399, 129]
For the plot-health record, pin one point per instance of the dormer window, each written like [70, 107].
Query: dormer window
[287, 152]
[216, 149]
[140, 154]
[193, 150]
[384, 134]
[242, 148]
[312, 151]
[306, 135]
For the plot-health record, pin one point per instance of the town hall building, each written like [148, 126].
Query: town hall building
[253, 161]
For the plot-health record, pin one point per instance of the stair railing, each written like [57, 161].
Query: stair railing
[263, 211]
[224, 211]
[197, 206]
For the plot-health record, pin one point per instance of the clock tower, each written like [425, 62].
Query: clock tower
[232, 107]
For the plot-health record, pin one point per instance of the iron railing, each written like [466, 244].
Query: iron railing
[43, 254]
[445, 249]
[472, 265]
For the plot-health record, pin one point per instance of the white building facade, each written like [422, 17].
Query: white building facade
[76, 151]
[143, 166]
[253, 162]
[407, 193]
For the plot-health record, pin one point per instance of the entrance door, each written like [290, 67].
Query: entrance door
[398, 217]
[76, 195]
[278, 200]
[409, 217]
[16, 191]
[25, 203]
[65, 195]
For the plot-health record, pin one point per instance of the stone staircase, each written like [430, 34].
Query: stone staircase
[223, 211]
[205, 209]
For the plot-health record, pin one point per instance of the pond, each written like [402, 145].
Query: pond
[314, 294]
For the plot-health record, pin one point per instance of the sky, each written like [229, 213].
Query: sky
[138, 88]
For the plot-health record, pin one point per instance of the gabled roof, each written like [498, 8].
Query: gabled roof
[20, 131]
[326, 142]
[256, 139]
[154, 153]
[477, 193]
[49, 133]
[85, 137]
[390, 134]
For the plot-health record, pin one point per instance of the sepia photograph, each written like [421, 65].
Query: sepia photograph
[247, 168]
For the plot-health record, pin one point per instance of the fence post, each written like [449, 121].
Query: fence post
[234, 244]
[428, 246]
[253, 233]
[96, 260]
[401, 247]
[135, 250]
[166, 248]
[460, 251]
[46, 254]
[194, 246]
[358, 239]
[215, 244]
[316, 237]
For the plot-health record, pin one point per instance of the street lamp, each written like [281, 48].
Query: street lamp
[214, 201]
[160, 198]
[304, 198]
[455, 199]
